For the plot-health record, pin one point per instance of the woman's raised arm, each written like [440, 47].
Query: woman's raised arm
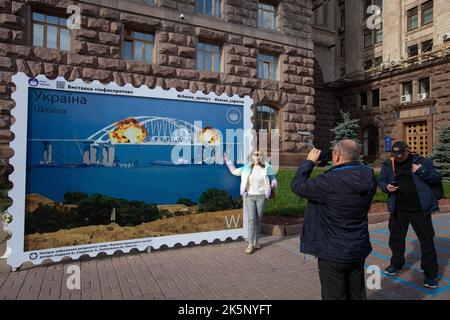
[231, 167]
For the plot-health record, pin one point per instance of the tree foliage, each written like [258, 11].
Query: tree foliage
[441, 154]
[95, 209]
[215, 200]
[348, 128]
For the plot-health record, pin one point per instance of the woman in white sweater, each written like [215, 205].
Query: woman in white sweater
[257, 181]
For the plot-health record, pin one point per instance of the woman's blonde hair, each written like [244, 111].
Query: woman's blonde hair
[261, 158]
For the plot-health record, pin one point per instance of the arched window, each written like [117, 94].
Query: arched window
[266, 118]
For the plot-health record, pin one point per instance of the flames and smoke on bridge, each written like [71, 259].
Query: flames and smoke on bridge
[139, 130]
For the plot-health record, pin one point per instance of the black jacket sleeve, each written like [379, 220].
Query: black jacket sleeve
[429, 173]
[312, 189]
[384, 178]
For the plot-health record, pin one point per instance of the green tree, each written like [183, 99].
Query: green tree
[132, 213]
[215, 200]
[44, 219]
[74, 197]
[186, 201]
[441, 154]
[95, 210]
[348, 128]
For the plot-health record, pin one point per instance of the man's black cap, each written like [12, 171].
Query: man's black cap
[399, 148]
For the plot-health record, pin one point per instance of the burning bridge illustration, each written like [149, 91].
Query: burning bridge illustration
[146, 130]
[140, 130]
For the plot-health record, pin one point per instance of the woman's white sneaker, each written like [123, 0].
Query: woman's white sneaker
[250, 249]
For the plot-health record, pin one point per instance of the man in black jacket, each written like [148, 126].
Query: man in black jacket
[408, 179]
[335, 228]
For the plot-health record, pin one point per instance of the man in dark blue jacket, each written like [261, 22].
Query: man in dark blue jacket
[335, 228]
[407, 179]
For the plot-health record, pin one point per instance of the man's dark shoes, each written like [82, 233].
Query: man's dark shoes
[430, 282]
[391, 270]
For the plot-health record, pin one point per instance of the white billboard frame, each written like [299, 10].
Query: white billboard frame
[22, 82]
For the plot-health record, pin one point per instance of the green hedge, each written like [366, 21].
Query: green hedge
[287, 203]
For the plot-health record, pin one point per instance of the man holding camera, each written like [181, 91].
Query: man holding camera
[409, 180]
[336, 224]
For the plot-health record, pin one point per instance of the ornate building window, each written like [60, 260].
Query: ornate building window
[208, 57]
[267, 66]
[427, 12]
[266, 118]
[50, 32]
[266, 16]
[413, 18]
[138, 46]
[208, 7]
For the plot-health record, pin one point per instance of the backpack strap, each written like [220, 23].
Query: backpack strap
[393, 165]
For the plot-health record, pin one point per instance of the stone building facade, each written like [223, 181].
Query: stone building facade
[418, 122]
[97, 53]
[395, 79]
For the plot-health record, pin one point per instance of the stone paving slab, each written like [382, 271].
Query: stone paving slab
[223, 271]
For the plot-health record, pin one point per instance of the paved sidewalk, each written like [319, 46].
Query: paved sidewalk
[224, 271]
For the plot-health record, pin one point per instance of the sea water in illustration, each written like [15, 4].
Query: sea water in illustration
[100, 168]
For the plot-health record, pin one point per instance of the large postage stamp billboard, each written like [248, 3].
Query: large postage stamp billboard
[102, 167]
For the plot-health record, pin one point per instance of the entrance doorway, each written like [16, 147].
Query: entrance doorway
[417, 137]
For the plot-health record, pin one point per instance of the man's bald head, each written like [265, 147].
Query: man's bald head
[348, 149]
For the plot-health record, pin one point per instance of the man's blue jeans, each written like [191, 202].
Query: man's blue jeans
[254, 207]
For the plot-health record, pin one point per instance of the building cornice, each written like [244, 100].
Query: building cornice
[390, 74]
[408, 106]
